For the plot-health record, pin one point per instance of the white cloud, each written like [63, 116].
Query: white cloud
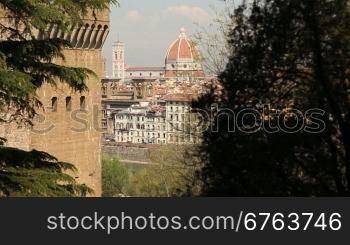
[134, 15]
[192, 12]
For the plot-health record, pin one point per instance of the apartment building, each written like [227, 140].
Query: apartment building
[169, 122]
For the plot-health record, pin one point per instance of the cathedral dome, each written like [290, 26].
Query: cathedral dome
[182, 50]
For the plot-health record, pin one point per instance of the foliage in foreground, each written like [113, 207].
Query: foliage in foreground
[34, 174]
[285, 54]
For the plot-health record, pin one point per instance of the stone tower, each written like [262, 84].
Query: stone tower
[68, 127]
[118, 60]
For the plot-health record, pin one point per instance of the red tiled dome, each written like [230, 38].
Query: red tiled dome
[181, 49]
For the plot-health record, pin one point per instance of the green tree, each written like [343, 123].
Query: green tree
[173, 173]
[115, 177]
[26, 63]
[35, 173]
[285, 54]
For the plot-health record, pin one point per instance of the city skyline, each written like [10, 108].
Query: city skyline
[147, 29]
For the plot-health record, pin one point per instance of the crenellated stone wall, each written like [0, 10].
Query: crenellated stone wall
[90, 35]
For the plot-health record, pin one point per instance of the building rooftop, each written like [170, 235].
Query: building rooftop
[180, 97]
[145, 68]
[143, 79]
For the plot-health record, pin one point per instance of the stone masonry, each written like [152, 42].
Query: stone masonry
[68, 127]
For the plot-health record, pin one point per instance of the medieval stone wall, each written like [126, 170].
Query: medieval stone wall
[127, 152]
[16, 135]
[71, 132]
[74, 135]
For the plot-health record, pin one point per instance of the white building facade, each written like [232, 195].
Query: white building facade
[170, 124]
[181, 122]
[139, 125]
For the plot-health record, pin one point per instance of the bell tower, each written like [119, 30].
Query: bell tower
[119, 60]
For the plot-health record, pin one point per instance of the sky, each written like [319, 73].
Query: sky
[148, 27]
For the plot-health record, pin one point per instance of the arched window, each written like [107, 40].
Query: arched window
[54, 101]
[68, 103]
[82, 103]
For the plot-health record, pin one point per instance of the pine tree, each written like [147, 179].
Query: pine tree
[26, 63]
